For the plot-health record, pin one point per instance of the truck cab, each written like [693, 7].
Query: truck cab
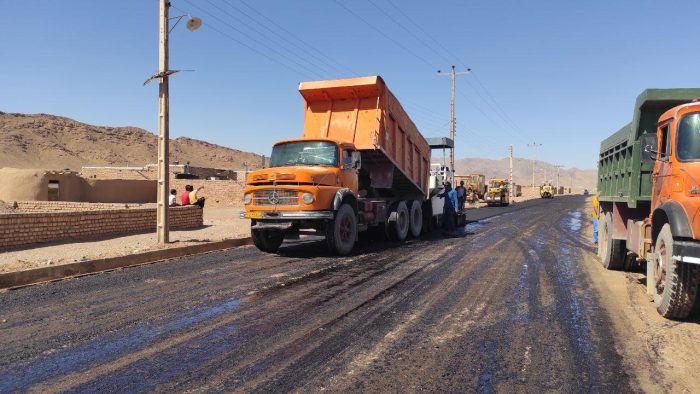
[675, 201]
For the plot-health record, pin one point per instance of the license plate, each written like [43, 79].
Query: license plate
[254, 215]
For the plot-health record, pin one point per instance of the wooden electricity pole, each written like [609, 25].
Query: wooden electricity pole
[163, 129]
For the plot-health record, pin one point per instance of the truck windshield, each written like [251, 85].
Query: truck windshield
[304, 153]
[688, 145]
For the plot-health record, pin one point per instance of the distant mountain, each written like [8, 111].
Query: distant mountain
[522, 172]
[54, 142]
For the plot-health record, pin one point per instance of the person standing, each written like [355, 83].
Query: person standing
[461, 195]
[448, 211]
[594, 218]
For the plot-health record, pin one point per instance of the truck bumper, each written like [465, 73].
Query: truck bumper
[303, 215]
[686, 251]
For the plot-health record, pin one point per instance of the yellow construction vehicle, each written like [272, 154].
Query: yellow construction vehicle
[497, 193]
[547, 190]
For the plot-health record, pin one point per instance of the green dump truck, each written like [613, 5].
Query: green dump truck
[650, 197]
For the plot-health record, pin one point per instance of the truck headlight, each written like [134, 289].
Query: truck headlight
[247, 199]
[307, 198]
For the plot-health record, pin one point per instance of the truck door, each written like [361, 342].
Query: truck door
[348, 173]
[661, 191]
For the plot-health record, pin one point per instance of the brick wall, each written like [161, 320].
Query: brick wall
[151, 172]
[217, 193]
[50, 206]
[120, 173]
[34, 227]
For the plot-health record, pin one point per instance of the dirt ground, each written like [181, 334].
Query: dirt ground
[219, 224]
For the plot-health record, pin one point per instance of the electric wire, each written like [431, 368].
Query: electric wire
[287, 45]
[397, 43]
[295, 38]
[251, 38]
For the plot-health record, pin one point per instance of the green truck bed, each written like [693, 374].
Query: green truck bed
[624, 170]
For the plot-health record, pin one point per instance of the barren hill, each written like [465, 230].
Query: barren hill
[54, 142]
[522, 172]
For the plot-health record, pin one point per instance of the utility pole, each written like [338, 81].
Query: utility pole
[164, 72]
[163, 129]
[453, 127]
[534, 146]
[558, 167]
[510, 177]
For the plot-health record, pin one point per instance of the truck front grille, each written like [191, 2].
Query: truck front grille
[275, 197]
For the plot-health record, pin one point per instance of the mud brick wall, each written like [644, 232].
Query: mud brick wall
[218, 193]
[35, 227]
[50, 206]
[117, 173]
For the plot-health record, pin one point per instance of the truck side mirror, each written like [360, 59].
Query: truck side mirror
[652, 153]
[356, 160]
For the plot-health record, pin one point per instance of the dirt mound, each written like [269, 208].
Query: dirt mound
[54, 142]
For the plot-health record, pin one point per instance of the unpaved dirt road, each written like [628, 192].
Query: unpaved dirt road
[516, 303]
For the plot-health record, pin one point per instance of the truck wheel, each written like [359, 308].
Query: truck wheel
[267, 240]
[611, 251]
[416, 217]
[341, 232]
[676, 282]
[402, 223]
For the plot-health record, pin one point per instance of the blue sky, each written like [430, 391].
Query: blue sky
[561, 73]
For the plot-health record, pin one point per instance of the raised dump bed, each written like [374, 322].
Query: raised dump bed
[363, 111]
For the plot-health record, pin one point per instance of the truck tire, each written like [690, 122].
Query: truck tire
[341, 232]
[416, 218]
[611, 251]
[676, 285]
[402, 223]
[268, 241]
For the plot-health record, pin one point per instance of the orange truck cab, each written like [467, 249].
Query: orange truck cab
[361, 163]
[649, 192]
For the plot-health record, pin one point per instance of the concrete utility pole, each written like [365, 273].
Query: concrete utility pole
[510, 178]
[163, 129]
[534, 146]
[453, 127]
[164, 72]
[558, 167]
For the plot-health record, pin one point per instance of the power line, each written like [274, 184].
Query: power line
[296, 38]
[251, 38]
[397, 43]
[449, 52]
[490, 118]
[261, 53]
[483, 87]
[409, 31]
[307, 54]
[495, 111]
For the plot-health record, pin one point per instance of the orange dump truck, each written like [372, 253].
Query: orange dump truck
[361, 163]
